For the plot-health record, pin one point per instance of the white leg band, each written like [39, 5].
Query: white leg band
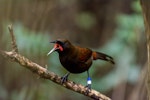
[89, 81]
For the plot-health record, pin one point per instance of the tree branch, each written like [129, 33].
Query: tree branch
[146, 16]
[44, 73]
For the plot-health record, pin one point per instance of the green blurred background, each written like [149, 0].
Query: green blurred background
[114, 27]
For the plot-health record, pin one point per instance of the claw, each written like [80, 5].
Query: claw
[64, 78]
[88, 86]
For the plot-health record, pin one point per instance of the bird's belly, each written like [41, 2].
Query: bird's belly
[76, 67]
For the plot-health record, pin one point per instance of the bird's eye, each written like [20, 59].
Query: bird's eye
[59, 47]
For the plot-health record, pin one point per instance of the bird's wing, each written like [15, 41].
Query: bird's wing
[84, 54]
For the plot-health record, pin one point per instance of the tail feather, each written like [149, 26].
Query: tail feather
[98, 55]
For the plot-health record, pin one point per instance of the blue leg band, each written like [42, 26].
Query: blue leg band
[89, 81]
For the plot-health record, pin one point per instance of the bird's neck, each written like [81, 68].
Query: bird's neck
[69, 50]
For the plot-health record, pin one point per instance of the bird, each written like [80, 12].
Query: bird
[77, 59]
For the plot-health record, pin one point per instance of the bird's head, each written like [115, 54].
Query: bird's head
[60, 45]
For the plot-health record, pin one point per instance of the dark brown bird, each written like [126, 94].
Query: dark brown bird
[76, 59]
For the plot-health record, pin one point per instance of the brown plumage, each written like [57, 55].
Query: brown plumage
[76, 59]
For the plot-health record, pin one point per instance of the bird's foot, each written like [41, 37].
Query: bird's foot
[64, 78]
[88, 86]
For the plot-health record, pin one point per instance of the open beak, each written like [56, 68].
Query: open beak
[51, 51]
[53, 41]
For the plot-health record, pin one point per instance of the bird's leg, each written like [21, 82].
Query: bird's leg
[89, 82]
[64, 78]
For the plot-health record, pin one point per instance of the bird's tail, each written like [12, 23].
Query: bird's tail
[98, 55]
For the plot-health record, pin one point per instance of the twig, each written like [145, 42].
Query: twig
[44, 73]
[14, 45]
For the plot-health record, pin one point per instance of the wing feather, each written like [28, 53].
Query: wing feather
[84, 54]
